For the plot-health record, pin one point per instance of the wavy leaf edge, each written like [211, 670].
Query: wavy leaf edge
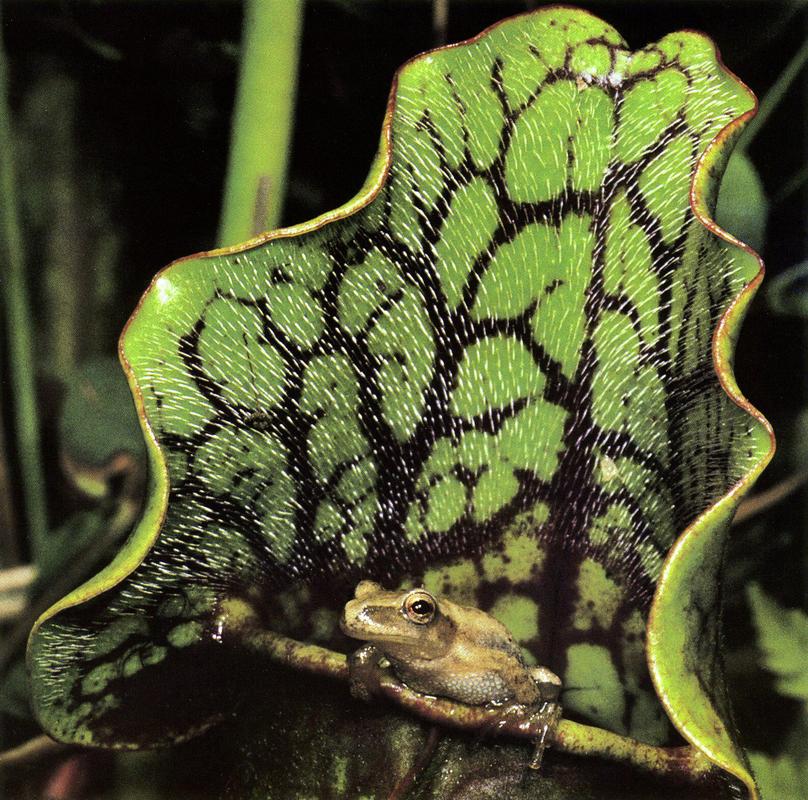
[720, 513]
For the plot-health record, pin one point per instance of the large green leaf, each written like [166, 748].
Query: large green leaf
[502, 370]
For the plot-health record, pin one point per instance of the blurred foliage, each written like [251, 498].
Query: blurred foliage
[782, 636]
[99, 433]
[102, 454]
[121, 115]
[742, 207]
[788, 292]
[784, 777]
[783, 640]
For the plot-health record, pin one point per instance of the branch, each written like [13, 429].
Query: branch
[774, 95]
[238, 622]
[763, 501]
[683, 763]
[33, 749]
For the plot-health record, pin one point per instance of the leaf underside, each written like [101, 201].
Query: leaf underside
[491, 373]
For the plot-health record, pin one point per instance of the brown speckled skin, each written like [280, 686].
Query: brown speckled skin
[463, 653]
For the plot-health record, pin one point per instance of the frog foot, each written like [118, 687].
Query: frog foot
[364, 672]
[546, 717]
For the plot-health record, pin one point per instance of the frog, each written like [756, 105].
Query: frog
[439, 648]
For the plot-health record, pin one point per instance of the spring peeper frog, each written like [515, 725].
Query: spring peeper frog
[440, 648]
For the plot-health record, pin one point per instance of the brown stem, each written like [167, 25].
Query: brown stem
[683, 763]
[424, 757]
[763, 501]
[40, 747]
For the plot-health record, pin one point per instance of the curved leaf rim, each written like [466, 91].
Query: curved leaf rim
[721, 511]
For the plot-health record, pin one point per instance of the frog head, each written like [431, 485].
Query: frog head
[408, 624]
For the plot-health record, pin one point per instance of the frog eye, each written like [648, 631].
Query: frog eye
[419, 606]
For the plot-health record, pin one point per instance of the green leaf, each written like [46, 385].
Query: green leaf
[783, 639]
[780, 778]
[742, 207]
[99, 434]
[79, 534]
[14, 699]
[502, 371]
[787, 292]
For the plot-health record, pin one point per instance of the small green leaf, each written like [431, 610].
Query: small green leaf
[76, 535]
[99, 435]
[742, 207]
[781, 777]
[783, 638]
[788, 292]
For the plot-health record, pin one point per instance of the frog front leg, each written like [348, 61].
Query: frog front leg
[365, 671]
[546, 717]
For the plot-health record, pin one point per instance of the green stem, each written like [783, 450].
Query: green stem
[683, 763]
[262, 119]
[792, 185]
[19, 332]
[774, 96]
[32, 750]
[10, 554]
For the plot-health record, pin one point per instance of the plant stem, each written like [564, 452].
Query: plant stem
[10, 554]
[440, 22]
[763, 501]
[32, 750]
[684, 763]
[262, 119]
[792, 185]
[19, 332]
[775, 94]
